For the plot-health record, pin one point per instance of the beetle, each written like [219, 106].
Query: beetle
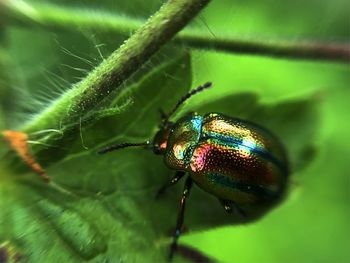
[237, 161]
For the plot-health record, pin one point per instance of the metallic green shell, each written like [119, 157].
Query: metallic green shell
[230, 158]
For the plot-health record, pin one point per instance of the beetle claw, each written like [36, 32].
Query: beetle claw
[172, 250]
[229, 206]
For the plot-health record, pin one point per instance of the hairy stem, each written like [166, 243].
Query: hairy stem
[55, 17]
[338, 52]
[119, 66]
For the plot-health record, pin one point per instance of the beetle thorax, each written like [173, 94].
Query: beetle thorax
[183, 137]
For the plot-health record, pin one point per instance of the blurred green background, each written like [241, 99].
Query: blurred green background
[311, 225]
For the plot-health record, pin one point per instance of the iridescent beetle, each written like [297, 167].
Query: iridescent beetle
[237, 161]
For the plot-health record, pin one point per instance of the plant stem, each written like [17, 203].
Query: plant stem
[281, 49]
[51, 16]
[119, 66]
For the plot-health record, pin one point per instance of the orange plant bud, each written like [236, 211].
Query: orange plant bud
[18, 141]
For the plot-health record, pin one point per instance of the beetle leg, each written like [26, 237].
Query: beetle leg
[180, 216]
[230, 205]
[178, 175]
[226, 205]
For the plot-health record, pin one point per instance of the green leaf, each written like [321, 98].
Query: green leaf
[93, 213]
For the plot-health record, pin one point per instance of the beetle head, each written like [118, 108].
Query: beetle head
[160, 140]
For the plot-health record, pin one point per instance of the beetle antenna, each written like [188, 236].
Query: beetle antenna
[121, 146]
[186, 97]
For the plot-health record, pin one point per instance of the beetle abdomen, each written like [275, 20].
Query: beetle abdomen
[244, 133]
[238, 163]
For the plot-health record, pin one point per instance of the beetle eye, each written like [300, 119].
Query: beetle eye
[156, 149]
